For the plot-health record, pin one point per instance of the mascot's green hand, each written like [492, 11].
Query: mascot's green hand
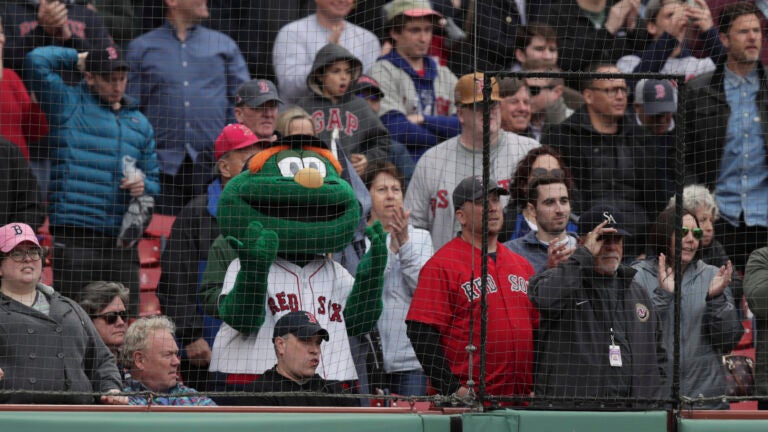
[364, 304]
[259, 248]
[243, 307]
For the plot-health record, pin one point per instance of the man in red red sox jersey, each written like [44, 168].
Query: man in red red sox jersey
[447, 299]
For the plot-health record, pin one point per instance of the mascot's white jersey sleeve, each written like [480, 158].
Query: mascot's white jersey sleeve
[321, 287]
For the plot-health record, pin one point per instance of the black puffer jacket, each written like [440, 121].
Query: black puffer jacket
[618, 169]
[19, 194]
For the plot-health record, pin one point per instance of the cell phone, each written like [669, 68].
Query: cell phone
[694, 4]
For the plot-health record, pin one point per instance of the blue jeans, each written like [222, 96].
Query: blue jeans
[408, 383]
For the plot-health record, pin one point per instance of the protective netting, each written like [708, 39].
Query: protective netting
[229, 164]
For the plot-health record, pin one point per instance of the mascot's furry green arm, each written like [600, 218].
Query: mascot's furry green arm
[291, 202]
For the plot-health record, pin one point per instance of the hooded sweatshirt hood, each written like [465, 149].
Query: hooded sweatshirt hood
[327, 55]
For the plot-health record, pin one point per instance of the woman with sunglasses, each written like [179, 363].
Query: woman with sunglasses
[105, 303]
[709, 324]
[47, 342]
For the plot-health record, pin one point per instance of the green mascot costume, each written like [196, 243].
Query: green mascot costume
[283, 215]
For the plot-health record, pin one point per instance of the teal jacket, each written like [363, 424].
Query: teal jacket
[89, 141]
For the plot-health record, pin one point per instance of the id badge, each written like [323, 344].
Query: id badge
[614, 355]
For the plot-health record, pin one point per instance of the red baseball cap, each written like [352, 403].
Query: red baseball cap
[14, 233]
[234, 137]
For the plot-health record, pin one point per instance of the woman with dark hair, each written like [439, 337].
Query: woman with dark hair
[519, 217]
[708, 320]
[105, 303]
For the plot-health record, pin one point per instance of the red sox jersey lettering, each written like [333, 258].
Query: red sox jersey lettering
[334, 309]
[518, 283]
[289, 302]
[473, 289]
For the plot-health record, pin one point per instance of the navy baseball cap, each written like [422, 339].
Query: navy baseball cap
[472, 189]
[599, 213]
[656, 96]
[255, 93]
[301, 324]
[105, 60]
[367, 84]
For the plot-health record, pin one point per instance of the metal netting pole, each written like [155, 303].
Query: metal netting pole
[679, 183]
[487, 88]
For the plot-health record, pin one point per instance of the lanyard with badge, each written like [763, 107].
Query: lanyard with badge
[614, 352]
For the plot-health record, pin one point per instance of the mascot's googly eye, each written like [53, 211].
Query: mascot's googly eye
[316, 163]
[291, 165]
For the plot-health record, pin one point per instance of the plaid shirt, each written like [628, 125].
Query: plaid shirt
[133, 386]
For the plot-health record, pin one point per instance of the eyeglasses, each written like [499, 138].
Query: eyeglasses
[535, 90]
[18, 255]
[543, 172]
[111, 317]
[698, 233]
[611, 91]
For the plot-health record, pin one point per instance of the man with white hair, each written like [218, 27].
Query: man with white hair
[152, 357]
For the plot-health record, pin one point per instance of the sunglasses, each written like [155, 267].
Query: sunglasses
[535, 90]
[543, 172]
[698, 233]
[19, 255]
[611, 91]
[111, 317]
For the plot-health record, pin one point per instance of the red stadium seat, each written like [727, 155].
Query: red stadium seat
[149, 277]
[47, 278]
[160, 226]
[149, 304]
[149, 252]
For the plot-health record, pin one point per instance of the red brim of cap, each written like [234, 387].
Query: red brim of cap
[417, 13]
[242, 145]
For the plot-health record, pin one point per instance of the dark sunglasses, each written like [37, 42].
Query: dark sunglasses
[611, 91]
[535, 90]
[698, 233]
[19, 255]
[543, 172]
[111, 317]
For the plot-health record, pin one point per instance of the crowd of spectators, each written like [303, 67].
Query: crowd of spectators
[107, 107]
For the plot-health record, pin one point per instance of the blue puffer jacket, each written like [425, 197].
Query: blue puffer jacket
[90, 140]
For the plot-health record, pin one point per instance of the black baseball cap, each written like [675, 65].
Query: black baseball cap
[472, 188]
[599, 213]
[105, 60]
[367, 84]
[301, 324]
[255, 93]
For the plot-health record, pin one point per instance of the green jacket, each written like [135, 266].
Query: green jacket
[756, 292]
[220, 256]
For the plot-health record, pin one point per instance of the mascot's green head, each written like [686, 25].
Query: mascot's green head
[294, 189]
